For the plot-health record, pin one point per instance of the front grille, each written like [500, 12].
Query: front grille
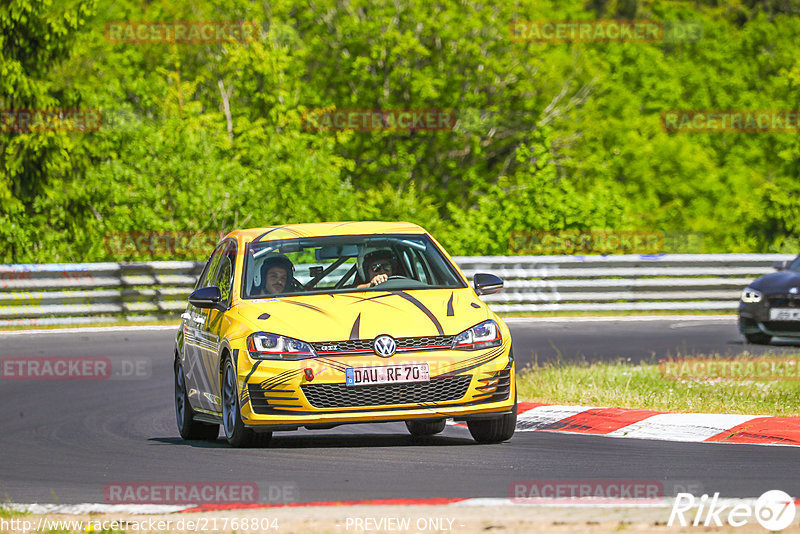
[342, 396]
[784, 301]
[424, 342]
[365, 345]
[340, 346]
[782, 326]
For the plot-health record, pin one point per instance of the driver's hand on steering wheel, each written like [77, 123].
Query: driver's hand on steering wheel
[378, 279]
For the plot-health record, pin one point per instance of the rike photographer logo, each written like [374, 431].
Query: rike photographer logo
[774, 510]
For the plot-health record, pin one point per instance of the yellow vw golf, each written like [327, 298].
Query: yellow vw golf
[319, 325]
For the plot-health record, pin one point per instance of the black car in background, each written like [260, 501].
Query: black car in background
[770, 306]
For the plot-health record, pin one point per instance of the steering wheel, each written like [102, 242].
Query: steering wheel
[393, 277]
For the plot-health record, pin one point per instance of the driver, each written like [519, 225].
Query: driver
[276, 273]
[377, 267]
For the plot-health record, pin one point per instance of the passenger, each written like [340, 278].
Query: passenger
[277, 274]
[377, 266]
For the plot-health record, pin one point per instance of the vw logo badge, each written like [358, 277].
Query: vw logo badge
[793, 291]
[385, 346]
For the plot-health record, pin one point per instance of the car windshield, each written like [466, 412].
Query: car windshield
[795, 265]
[345, 263]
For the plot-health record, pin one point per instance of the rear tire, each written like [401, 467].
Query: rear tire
[188, 428]
[758, 338]
[235, 432]
[495, 430]
[425, 428]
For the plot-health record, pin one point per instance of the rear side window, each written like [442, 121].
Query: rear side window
[226, 268]
[211, 268]
[220, 269]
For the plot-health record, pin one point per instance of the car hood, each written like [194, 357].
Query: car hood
[779, 282]
[367, 314]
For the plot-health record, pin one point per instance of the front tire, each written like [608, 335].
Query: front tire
[188, 428]
[235, 431]
[494, 430]
[758, 338]
[425, 428]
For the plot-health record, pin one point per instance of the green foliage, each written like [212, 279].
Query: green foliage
[209, 137]
[36, 168]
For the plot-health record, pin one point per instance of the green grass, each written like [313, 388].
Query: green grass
[621, 385]
[8, 512]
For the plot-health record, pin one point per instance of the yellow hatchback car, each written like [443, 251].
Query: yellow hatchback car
[319, 325]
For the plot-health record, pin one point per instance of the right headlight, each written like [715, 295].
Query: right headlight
[266, 346]
[751, 295]
[480, 336]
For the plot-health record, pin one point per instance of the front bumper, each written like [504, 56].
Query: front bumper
[277, 395]
[754, 318]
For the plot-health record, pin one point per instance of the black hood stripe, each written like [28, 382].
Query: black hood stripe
[354, 331]
[424, 310]
[450, 312]
[373, 299]
[305, 305]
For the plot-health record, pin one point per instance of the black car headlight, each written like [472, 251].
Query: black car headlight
[480, 336]
[266, 346]
[751, 295]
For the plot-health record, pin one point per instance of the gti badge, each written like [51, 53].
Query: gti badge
[793, 290]
[385, 346]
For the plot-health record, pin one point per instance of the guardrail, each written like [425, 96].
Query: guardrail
[75, 293]
[110, 292]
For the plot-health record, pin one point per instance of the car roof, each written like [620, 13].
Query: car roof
[288, 231]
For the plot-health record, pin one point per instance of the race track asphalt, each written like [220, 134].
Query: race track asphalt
[64, 441]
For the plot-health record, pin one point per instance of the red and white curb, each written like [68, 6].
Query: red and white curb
[97, 508]
[492, 502]
[649, 424]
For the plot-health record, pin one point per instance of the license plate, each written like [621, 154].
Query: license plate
[389, 374]
[784, 314]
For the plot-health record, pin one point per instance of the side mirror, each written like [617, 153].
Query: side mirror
[207, 298]
[781, 265]
[487, 284]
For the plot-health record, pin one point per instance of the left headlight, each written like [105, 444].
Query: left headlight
[751, 295]
[480, 336]
[266, 346]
